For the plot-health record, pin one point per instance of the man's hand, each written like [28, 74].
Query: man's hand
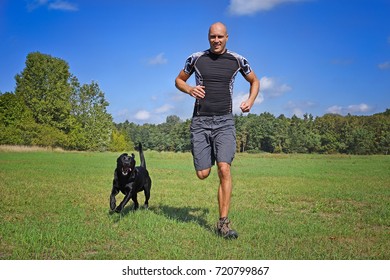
[197, 92]
[246, 106]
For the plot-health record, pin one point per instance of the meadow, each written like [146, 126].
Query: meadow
[55, 205]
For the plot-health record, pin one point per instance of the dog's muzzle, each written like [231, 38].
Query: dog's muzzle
[126, 169]
[126, 165]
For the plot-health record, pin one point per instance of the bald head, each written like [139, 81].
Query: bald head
[218, 26]
[218, 37]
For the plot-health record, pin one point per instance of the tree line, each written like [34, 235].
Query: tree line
[51, 108]
[328, 134]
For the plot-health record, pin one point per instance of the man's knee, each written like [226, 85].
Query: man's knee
[223, 169]
[203, 174]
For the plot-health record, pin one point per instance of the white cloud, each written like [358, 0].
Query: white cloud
[361, 108]
[300, 108]
[179, 96]
[271, 87]
[32, 5]
[158, 59]
[142, 115]
[350, 109]
[52, 5]
[122, 113]
[241, 97]
[298, 112]
[384, 65]
[249, 7]
[335, 110]
[63, 6]
[163, 109]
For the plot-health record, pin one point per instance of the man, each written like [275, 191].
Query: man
[213, 135]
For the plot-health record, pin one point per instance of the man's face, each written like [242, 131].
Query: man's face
[218, 38]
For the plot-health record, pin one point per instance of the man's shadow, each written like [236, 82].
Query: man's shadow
[185, 214]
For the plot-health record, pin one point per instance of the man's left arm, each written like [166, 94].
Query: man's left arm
[253, 92]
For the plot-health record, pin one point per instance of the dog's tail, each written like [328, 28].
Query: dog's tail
[141, 155]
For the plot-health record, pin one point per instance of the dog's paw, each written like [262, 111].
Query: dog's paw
[112, 203]
[118, 209]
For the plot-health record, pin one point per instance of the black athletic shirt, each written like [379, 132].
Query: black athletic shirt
[216, 72]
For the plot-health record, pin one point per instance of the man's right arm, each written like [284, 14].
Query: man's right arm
[197, 92]
[181, 82]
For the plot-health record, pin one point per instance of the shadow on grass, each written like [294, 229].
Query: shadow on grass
[116, 217]
[185, 214]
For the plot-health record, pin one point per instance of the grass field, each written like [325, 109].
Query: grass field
[55, 205]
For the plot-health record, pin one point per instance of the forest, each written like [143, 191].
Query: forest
[50, 108]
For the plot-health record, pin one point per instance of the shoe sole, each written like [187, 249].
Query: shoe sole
[230, 235]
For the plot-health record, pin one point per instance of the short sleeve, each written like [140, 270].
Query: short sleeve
[190, 62]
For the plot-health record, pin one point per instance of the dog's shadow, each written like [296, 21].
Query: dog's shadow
[116, 217]
[187, 214]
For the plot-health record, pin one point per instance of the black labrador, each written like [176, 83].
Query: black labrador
[130, 179]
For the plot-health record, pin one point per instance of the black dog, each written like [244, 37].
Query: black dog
[130, 180]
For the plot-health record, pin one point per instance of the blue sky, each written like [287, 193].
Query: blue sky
[312, 56]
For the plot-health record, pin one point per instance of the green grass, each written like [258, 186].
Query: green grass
[54, 205]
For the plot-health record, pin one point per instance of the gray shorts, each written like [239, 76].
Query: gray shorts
[213, 138]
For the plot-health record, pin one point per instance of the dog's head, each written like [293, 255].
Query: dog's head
[125, 164]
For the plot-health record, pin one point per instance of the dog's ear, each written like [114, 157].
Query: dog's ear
[133, 161]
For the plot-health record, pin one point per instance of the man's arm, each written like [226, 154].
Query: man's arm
[253, 92]
[197, 92]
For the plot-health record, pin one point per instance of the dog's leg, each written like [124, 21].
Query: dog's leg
[147, 188]
[128, 195]
[114, 192]
[135, 200]
[124, 202]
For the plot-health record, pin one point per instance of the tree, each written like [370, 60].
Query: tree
[44, 87]
[14, 118]
[249, 133]
[361, 141]
[281, 134]
[296, 134]
[268, 128]
[119, 143]
[93, 125]
[312, 140]
[329, 128]
[12, 110]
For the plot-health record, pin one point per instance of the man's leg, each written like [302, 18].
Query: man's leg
[224, 194]
[224, 147]
[201, 147]
[225, 188]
